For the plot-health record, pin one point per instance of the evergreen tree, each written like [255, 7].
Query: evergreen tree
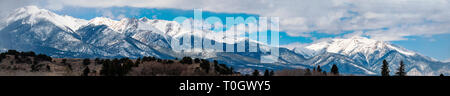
[401, 70]
[441, 74]
[196, 60]
[64, 61]
[186, 60]
[385, 69]
[272, 73]
[86, 71]
[334, 69]
[97, 61]
[205, 65]
[86, 62]
[231, 70]
[255, 73]
[170, 62]
[318, 69]
[48, 68]
[2, 56]
[266, 73]
[216, 62]
[138, 62]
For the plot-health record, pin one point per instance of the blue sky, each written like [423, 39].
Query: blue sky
[418, 25]
[433, 46]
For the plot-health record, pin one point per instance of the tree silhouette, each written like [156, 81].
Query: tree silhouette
[186, 60]
[307, 72]
[385, 69]
[64, 61]
[441, 74]
[197, 60]
[318, 69]
[86, 71]
[205, 65]
[231, 70]
[138, 62]
[401, 70]
[216, 62]
[255, 73]
[2, 56]
[48, 68]
[116, 67]
[272, 73]
[334, 69]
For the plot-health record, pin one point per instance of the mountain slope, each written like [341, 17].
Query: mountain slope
[39, 30]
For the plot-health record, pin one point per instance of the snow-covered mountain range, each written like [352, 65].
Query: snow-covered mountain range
[33, 29]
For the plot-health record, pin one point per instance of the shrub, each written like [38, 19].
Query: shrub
[186, 60]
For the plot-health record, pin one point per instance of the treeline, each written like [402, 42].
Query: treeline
[22, 57]
[315, 71]
[400, 70]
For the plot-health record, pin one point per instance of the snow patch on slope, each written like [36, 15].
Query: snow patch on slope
[356, 45]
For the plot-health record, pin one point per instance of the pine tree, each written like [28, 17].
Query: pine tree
[186, 60]
[385, 69]
[215, 62]
[86, 62]
[334, 69]
[255, 73]
[138, 62]
[441, 74]
[205, 65]
[272, 73]
[97, 61]
[401, 70]
[48, 68]
[196, 60]
[231, 70]
[64, 61]
[266, 73]
[318, 69]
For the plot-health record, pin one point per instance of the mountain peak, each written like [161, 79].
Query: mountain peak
[355, 45]
[31, 9]
[26, 12]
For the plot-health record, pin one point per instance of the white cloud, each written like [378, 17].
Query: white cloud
[448, 60]
[357, 33]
